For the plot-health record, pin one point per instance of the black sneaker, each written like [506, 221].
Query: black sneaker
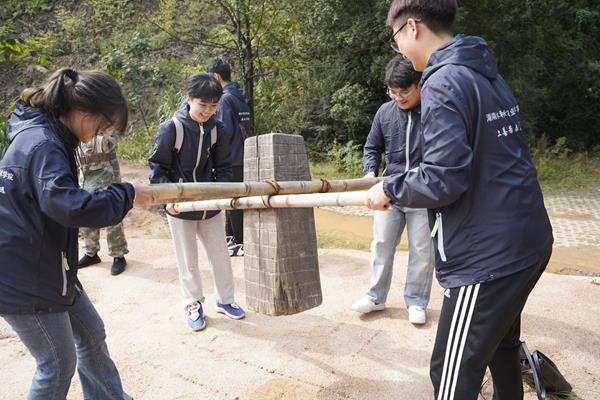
[118, 266]
[86, 261]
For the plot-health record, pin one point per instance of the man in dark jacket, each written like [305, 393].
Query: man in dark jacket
[234, 111]
[396, 131]
[193, 146]
[493, 234]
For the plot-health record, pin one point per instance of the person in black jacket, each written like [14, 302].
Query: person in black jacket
[41, 207]
[492, 231]
[396, 131]
[234, 112]
[193, 146]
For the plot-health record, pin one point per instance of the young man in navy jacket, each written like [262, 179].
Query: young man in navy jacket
[487, 212]
[234, 112]
[396, 131]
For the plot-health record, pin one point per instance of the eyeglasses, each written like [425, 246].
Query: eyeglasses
[393, 43]
[399, 94]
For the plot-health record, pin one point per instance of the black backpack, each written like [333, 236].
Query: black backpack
[542, 374]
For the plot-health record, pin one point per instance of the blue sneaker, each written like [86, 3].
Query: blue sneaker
[231, 310]
[195, 316]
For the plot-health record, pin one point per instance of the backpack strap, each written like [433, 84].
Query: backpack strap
[536, 371]
[178, 134]
[213, 136]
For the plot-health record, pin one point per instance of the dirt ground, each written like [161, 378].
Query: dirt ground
[328, 352]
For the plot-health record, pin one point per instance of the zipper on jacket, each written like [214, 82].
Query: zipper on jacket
[199, 155]
[65, 268]
[438, 228]
[407, 143]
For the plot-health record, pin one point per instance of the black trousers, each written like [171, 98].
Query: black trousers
[234, 219]
[480, 326]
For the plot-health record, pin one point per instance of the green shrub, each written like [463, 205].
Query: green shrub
[347, 157]
[136, 146]
[3, 137]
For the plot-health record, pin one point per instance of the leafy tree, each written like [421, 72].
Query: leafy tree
[251, 34]
[549, 52]
[310, 67]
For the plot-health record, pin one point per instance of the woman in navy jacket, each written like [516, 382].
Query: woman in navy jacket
[41, 207]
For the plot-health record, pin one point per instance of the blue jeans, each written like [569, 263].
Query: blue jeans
[387, 231]
[61, 341]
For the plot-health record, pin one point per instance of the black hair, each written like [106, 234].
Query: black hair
[95, 92]
[399, 73]
[204, 86]
[220, 67]
[438, 15]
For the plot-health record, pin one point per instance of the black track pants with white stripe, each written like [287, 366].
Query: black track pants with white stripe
[480, 326]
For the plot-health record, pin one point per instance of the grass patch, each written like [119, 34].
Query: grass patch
[329, 170]
[578, 172]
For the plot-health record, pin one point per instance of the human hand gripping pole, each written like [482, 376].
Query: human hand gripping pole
[144, 195]
[376, 198]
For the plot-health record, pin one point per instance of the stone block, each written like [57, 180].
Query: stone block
[280, 262]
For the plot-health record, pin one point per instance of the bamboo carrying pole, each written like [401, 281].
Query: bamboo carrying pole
[177, 192]
[340, 199]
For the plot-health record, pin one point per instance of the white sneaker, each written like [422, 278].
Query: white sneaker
[366, 305]
[417, 315]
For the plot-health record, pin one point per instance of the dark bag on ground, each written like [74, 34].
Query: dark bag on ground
[542, 374]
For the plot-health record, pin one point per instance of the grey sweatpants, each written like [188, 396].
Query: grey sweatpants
[211, 233]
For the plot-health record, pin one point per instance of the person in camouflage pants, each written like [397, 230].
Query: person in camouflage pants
[99, 168]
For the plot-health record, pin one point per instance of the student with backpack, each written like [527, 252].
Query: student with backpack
[194, 146]
[234, 112]
[492, 232]
[41, 207]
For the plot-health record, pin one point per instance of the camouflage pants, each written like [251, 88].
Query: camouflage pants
[115, 236]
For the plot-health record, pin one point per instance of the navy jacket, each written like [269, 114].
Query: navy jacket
[191, 163]
[41, 207]
[396, 132]
[233, 110]
[476, 177]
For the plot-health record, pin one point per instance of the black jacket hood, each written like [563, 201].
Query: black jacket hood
[25, 117]
[469, 51]
[234, 89]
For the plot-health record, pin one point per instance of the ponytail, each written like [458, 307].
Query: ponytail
[95, 92]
